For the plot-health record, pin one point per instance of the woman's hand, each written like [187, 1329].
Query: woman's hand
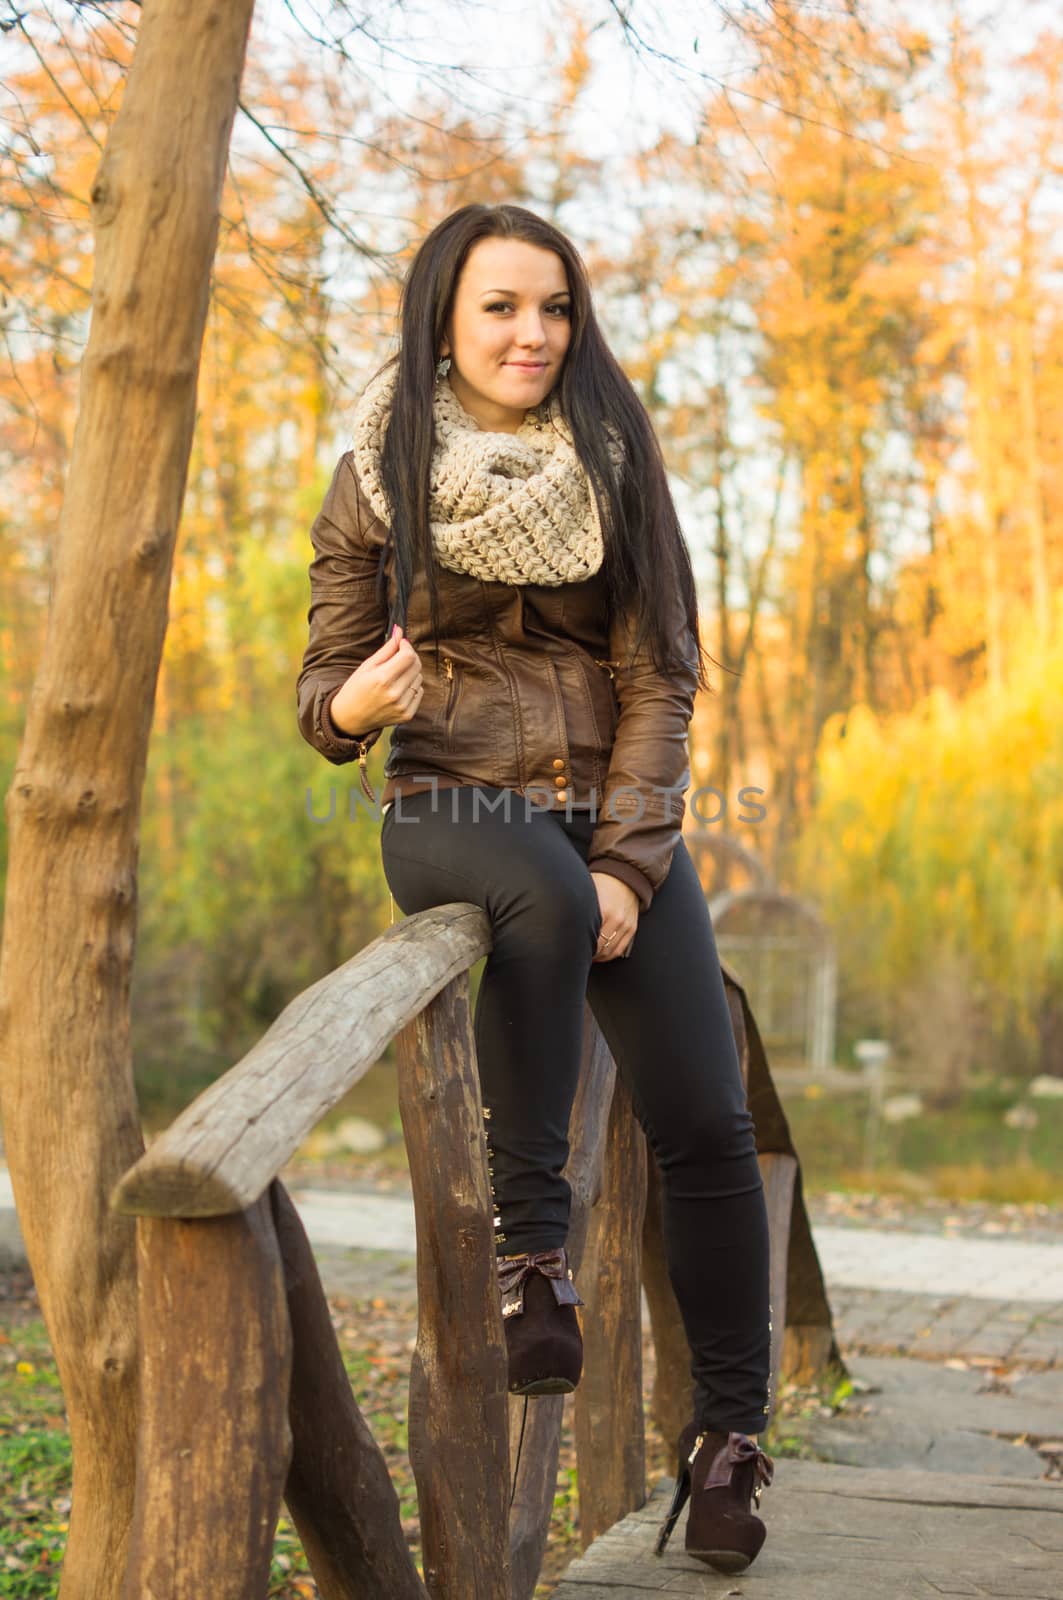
[386, 688]
[620, 916]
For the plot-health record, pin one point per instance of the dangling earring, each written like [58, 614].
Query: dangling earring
[442, 366]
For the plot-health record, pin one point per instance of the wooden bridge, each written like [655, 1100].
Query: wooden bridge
[838, 1532]
[244, 1398]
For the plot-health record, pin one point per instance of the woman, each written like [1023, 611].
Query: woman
[500, 577]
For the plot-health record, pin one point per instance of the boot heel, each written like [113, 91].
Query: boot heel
[679, 1500]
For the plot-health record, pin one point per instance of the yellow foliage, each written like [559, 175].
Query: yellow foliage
[940, 832]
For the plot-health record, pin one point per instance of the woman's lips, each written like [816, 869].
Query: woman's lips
[528, 366]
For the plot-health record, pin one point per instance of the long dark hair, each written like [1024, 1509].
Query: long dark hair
[646, 562]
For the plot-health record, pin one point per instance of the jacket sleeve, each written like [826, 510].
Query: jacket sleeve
[346, 621]
[641, 815]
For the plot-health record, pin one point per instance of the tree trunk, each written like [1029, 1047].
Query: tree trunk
[1033, 506]
[729, 682]
[69, 1110]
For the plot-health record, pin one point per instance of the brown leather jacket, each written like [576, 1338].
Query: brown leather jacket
[534, 691]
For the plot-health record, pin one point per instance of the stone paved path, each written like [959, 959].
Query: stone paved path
[908, 1263]
[892, 1290]
[939, 1327]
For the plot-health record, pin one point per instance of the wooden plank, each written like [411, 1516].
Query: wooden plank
[609, 1427]
[779, 1172]
[213, 1441]
[736, 1005]
[458, 1380]
[338, 1491]
[541, 1417]
[672, 1402]
[222, 1152]
[813, 1351]
[837, 1531]
[536, 1479]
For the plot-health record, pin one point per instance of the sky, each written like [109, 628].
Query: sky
[488, 50]
[500, 60]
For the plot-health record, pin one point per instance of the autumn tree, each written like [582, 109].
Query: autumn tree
[70, 1118]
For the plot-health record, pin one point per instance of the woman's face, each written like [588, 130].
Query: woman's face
[509, 331]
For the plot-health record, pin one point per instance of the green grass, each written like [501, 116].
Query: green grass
[35, 1466]
[35, 1456]
[35, 1473]
[966, 1152]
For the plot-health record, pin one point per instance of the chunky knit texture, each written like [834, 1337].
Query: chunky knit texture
[505, 507]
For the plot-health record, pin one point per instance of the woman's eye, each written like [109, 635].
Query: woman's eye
[507, 305]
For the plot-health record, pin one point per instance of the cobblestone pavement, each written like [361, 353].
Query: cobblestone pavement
[867, 1321]
[912, 1292]
[940, 1327]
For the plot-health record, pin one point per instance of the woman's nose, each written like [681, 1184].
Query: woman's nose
[530, 332]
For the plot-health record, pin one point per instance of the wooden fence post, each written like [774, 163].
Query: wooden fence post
[610, 1433]
[672, 1402]
[458, 1380]
[213, 1441]
[533, 1499]
[339, 1491]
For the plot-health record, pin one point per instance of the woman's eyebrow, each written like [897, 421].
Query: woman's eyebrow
[557, 295]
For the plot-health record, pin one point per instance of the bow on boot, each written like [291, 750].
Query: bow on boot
[740, 1448]
[514, 1272]
[543, 1338]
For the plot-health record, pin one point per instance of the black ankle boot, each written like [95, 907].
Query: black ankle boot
[722, 1472]
[543, 1338]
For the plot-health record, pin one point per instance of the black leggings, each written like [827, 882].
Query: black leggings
[663, 1013]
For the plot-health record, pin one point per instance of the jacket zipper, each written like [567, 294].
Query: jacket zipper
[608, 665]
[448, 667]
[363, 750]
[452, 698]
[519, 747]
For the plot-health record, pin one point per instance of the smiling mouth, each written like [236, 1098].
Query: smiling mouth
[528, 366]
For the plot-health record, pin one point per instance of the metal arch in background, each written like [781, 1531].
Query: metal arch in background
[806, 935]
[803, 933]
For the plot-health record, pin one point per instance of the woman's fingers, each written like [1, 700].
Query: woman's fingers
[613, 942]
[402, 679]
[402, 669]
[620, 909]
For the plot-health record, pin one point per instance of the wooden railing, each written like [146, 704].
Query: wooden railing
[244, 1400]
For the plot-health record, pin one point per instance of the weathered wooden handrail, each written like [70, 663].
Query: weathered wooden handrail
[224, 1149]
[198, 1194]
[232, 1308]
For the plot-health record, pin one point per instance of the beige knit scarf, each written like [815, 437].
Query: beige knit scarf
[506, 507]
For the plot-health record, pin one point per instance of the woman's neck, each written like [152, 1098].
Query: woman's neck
[488, 417]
